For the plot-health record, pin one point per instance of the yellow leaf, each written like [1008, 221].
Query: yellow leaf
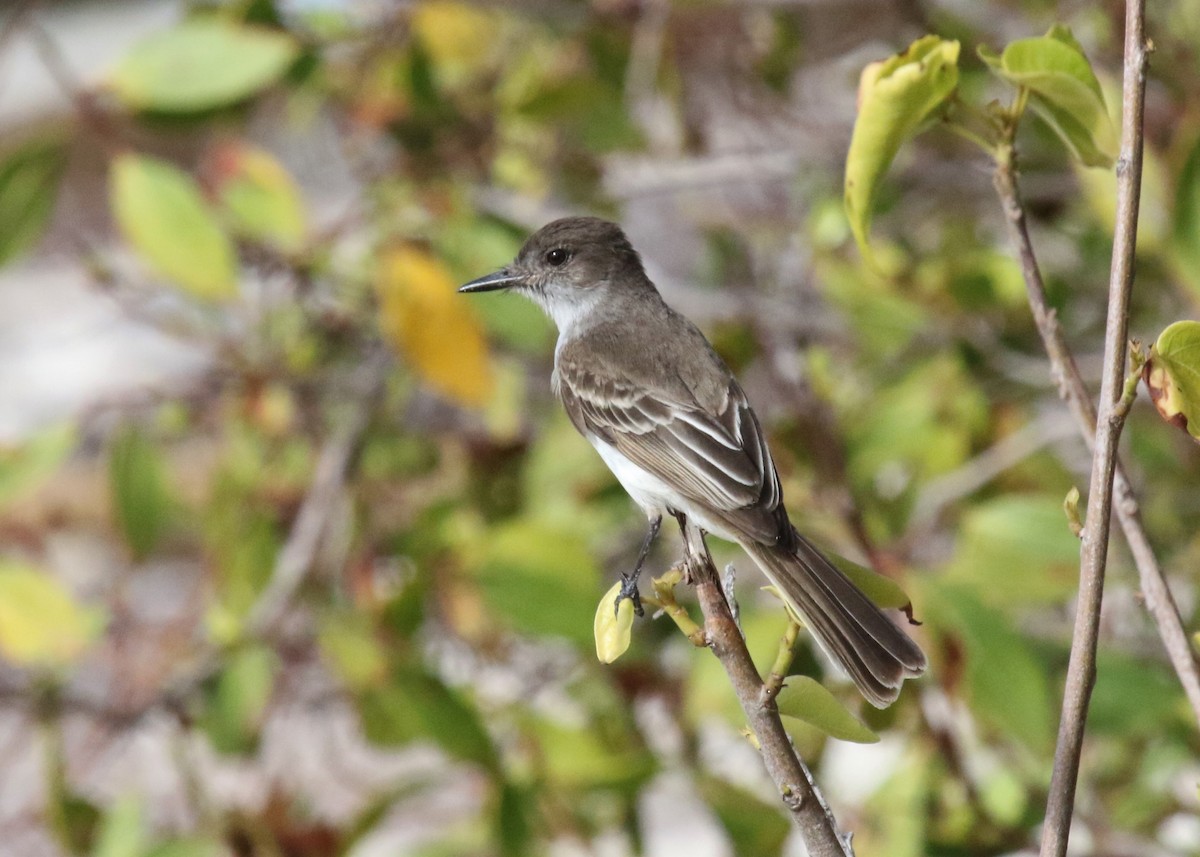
[456, 35]
[433, 327]
[613, 627]
[40, 623]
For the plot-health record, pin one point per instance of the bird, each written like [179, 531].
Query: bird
[647, 390]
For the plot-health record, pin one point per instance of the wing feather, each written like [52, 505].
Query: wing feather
[719, 459]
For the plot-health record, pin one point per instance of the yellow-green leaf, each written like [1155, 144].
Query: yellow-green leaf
[807, 699]
[1063, 90]
[1006, 678]
[201, 64]
[141, 502]
[40, 623]
[21, 467]
[28, 187]
[459, 37]
[1172, 375]
[238, 700]
[884, 591]
[162, 214]
[348, 645]
[122, 833]
[537, 578]
[258, 197]
[1185, 233]
[895, 96]
[613, 626]
[433, 327]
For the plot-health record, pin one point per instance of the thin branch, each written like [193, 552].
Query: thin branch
[797, 789]
[1159, 601]
[15, 22]
[300, 551]
[1158, 598]
[1005, 454]
[1081, 669]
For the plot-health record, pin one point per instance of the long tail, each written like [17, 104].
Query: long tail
[850, 628]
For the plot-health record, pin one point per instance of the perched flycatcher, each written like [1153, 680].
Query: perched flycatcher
[646, 389]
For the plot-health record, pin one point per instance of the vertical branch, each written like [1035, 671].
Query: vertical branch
[1081, 669]
[797, 789]
[1160, 603]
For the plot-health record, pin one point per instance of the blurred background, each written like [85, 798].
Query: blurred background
[299, 556]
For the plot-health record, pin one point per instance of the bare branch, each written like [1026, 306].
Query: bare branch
[1005, 454]
[1158, 598]
[297, 556]
[1159, 601]
[1081, 669]
[797, 789]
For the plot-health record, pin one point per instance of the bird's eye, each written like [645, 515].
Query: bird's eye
[556, 256]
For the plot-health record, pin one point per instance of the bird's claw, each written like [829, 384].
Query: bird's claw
[629, 589]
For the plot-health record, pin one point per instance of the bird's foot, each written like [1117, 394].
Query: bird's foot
[629, 589]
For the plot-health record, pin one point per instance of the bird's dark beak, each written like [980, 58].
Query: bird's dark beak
[502, 279]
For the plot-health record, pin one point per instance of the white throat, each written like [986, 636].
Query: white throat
[572, 311]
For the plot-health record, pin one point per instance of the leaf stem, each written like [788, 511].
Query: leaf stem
[664, 600]
[783, 661]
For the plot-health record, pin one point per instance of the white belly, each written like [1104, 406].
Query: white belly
[651, 493]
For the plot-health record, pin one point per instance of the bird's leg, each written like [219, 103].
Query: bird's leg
[629, 588]
[695, 549]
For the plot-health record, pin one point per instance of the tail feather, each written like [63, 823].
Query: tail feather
[846, 623]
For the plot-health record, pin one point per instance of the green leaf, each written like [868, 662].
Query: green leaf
[417, 705]
[191, 847]
[895, 97]
[613, 627]
[539, 580]
[162, 214]
[28, 189]
[238, 702]
[515, 808]
[1017, 549]
[1006, 682]
[258, 197]
[201, 64]
[1172, 375]
[884, 591]
[41, 624]
[1185, 235]
[584, 758]
[137, 479]
[122, 831]
[807, 699]
[754, 826]
[1134, 697]
[348, 644]
[24, 466]
[1064, 92]
[920, 425]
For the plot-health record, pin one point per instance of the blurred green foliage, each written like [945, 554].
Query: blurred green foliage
[474, 531]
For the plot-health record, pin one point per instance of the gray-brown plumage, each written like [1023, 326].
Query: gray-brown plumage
[644, 386]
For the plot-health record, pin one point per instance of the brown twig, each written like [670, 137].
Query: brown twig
[1159, 601]
[1103, 425]
[797, 789]
[334, 465]
[15, 22]
[1081, 669]
[1157, 594]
